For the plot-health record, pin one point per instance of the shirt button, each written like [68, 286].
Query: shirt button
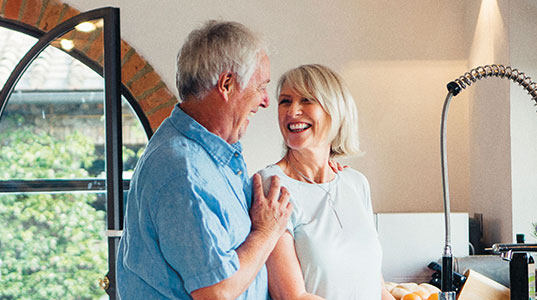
[239, 172]
[236, 155]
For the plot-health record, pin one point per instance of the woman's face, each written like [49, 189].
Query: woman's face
[303, 122]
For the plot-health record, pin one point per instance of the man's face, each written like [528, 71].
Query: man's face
[247, 102]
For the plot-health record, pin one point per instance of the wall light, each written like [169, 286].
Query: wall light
[86, 27]
[67, 44]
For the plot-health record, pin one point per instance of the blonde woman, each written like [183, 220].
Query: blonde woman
[331, 249]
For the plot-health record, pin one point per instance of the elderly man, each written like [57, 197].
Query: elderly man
[193, 229]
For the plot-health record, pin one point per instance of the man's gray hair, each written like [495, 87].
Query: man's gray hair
[216, 47]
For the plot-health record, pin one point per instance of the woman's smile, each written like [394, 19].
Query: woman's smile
[298, 126]
[303, 122]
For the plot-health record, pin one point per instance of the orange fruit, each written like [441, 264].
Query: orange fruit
[411, 296]
[433, 296]
[423, 294]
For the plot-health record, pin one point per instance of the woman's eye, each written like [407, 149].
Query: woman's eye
[283, 101]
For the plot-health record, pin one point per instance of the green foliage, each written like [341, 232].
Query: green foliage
[51, 245]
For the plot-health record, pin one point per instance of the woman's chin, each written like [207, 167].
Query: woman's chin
[296, 146]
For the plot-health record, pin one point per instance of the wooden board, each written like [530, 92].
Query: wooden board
[478, 286]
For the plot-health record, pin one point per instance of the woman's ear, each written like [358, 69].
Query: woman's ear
[225, 85]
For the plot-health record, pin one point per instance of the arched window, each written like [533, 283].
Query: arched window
[53, 203]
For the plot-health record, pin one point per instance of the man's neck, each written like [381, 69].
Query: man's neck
[209, 113]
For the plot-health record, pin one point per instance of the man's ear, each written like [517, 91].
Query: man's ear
[226, 84]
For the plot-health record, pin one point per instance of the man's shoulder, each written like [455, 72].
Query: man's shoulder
[172, 144]
[171, 156]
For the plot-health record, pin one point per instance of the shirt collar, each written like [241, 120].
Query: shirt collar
[219, 149]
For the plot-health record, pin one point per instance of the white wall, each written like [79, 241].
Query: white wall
[523, 120]
[408, 247]
[503, 122]
[490, 156]
[396, 56]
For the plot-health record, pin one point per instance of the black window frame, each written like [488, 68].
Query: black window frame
[114, 185]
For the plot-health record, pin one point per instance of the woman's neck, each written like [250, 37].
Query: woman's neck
[307, 166]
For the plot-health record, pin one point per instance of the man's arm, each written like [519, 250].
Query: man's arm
[269, 215]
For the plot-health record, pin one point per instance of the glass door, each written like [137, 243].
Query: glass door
[68, 144]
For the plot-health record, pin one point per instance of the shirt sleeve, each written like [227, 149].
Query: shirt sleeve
[367, 199]
[367, 195]
[192, 236]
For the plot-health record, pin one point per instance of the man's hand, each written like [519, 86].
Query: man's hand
[270, 213]
[336, 166]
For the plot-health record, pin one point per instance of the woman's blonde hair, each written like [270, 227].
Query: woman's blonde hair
[319, 83]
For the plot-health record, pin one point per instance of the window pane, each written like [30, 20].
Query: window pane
[53, 246]
[55, 117]
[13, 46]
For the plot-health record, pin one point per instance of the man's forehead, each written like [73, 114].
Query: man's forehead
[264, 68]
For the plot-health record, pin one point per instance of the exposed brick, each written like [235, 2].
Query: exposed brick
[155, 99]
[51, 15]
[152, 90]
[31, 12]
[100, 59]
[71, 35]
[132, 66]
[126, 51]
[91, 38]
[2, 7]
[65, 7]
[145, 83]
[159, 97]
[81, 39]
[156, 118]
[69, 12]
[146, 69]
[96, 48]
[12, 8]
[171, 102]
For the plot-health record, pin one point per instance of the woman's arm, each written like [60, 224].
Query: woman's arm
[385, 294]
[284, 274]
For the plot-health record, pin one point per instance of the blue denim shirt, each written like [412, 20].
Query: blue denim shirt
[186, 214]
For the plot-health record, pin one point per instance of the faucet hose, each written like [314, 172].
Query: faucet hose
[454, 88]
[499, 71]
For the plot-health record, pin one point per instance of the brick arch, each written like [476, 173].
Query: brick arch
[147, 87]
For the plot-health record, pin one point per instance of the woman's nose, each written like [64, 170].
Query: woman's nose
[294, 109]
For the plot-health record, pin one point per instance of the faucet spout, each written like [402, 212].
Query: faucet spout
[503, 248]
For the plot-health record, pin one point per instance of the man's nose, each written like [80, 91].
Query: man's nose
[265, 101]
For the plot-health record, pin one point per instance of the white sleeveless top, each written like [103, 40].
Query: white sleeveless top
[339, 261]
